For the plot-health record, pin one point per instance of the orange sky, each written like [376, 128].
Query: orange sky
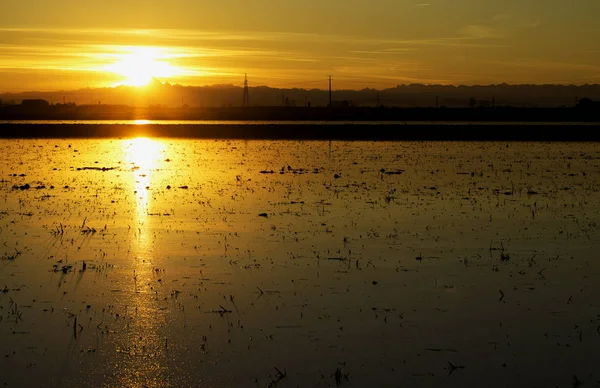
[68, 44]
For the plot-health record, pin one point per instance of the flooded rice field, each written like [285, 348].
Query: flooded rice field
[172, 263]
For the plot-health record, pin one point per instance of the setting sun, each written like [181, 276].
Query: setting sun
[141, 64]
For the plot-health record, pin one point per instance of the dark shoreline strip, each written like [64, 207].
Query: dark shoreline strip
[350, 132]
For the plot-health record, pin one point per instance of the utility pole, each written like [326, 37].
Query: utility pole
[330, 102]
[246, 102]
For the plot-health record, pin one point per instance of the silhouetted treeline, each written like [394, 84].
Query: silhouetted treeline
[164, 94]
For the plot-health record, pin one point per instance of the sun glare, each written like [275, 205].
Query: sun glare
[143, 152]
[139, 65]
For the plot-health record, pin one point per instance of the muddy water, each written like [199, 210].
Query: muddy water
[141, 262]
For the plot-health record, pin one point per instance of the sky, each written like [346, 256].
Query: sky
[71, 44]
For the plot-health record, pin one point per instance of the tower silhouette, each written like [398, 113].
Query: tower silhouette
[330, 102]
[246, 102]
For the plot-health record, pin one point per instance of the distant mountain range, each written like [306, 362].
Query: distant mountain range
[415, 95]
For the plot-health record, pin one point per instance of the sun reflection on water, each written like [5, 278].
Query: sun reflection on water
[142, 156]
[143, 361]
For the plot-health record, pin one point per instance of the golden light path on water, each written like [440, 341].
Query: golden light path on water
[142, 347]
[142, 156]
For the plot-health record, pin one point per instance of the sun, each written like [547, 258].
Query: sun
[139, 65]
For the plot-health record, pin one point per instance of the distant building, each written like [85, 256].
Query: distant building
[35, 104]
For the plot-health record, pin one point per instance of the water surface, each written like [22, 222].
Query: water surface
[220, 263]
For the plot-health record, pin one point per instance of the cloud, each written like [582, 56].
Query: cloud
[275, 58]
[204, 53]
[531, 24]
[479, 31]
[541, 64]
[193, 38]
